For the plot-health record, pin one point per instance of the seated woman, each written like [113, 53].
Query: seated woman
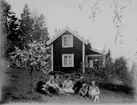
[58, 81]
[94, 92]
[52, 87]
[78, 85]
[67, 86]
[40, 87]
[84, 90]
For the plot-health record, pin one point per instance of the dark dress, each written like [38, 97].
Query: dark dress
[40, 86]
[78, 86]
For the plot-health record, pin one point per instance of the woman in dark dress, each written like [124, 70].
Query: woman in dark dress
[40, 87]
[78, 85]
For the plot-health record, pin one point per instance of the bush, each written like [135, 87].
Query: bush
[121, 70]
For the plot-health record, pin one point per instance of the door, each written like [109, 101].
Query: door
[91, 63]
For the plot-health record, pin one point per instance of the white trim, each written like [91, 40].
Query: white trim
[63, 55]
[67, 29]
[52, 57]
[83, 56]
[70, 41]
[104, 61]
[93, 49]
[86, 61]
[95, 55]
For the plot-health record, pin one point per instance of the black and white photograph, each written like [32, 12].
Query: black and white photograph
[68, 51]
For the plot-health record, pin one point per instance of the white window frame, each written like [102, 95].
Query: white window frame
[63, 60]
[69, 41]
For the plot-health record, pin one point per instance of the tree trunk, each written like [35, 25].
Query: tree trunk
[31, 77]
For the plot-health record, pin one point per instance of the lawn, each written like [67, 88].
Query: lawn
[19, 90]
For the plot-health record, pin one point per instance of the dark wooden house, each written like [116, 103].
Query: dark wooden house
[71, 52]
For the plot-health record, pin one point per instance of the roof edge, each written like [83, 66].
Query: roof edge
[62, 31]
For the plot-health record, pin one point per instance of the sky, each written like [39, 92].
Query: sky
[101, 32]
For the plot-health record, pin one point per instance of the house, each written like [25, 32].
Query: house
[70, 52]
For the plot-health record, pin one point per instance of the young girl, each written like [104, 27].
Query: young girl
[94, 92]
[83, 91]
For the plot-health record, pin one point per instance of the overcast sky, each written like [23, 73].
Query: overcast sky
[101, 32]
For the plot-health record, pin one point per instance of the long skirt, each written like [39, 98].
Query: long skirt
[66, 90]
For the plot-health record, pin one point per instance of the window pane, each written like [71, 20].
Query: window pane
[65, 60]
[70, 60]
[65, 40]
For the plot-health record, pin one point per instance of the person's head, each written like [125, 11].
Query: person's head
[93, 83]
[51, 77]
[84, 84]
[68, 78]
[81, 77]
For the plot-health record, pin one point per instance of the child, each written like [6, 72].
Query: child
[83, 91]
[94, 92]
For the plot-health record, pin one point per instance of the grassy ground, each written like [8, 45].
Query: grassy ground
[19, 90]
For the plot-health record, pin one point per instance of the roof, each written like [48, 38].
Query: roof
[58, 34]
[97, 51]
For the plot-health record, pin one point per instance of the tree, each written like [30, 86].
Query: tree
[89, 45]
[32, 27]
[117, 6]
[121, 69]
[36, 57]
[10, 27]
[40, 30]
[108, 65]
[26, 24]
[109, 62]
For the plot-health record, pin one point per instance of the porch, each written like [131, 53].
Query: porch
[94, 59]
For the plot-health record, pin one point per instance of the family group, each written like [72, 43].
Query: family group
[56, 87]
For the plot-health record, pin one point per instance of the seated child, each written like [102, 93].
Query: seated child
[83, 91]
[78, 85]
[94, 92]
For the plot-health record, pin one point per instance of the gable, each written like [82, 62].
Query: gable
[66, 30]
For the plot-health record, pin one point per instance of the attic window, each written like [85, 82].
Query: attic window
[67, 41]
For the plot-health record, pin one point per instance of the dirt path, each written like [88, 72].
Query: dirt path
[105, 97]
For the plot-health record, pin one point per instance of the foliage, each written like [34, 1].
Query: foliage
[108, 71]
[117, 6]
[121, 69]
[32, 27]
[36, 56]
[10, 28]
[89, 45]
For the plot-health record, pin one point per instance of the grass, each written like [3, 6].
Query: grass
[19, 86]
[19, 89]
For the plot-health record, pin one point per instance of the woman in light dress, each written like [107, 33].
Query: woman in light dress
[67, 87]
[94, 92]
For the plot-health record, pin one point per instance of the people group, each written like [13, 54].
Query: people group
[55, 87]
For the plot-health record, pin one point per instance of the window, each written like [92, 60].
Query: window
[67, 60]
[67, 41]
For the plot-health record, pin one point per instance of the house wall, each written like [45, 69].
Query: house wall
[58, 51]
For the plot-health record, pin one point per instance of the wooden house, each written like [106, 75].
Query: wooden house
[70, 52]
